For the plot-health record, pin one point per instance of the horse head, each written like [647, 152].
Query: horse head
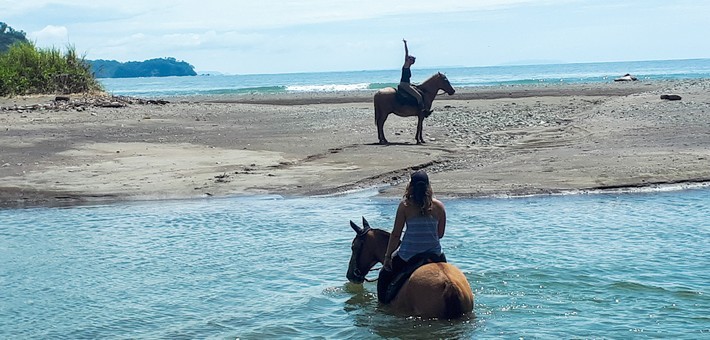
[444, 84]
[366, 250]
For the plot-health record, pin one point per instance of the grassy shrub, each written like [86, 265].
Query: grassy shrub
[26, 69]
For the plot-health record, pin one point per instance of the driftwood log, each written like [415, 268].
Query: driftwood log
[670, 97]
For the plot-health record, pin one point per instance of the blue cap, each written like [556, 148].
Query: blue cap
[419, 176]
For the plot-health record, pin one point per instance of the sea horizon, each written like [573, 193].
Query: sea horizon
[368, 80]
[507, 64]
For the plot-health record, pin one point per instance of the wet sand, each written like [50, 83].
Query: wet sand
[487, 141]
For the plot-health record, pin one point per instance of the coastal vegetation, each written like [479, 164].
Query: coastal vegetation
[27, 69]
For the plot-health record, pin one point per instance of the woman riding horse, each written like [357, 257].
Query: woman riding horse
[430, 288]
[387, 100]
[425, 218]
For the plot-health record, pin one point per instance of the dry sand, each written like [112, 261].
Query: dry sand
[516, 140]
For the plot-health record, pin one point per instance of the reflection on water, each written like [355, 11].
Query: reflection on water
[617, 265]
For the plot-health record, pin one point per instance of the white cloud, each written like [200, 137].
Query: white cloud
[173, 15]
[316, 35]
[51, 36]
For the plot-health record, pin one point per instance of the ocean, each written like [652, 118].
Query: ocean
[603, 265]
[206, 85]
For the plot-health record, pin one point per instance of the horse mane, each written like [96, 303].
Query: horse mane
[382, 236]
[422, 86]
[380, 231]
[435, 75]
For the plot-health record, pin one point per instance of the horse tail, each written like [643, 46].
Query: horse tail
[453, 303]
[457, 295]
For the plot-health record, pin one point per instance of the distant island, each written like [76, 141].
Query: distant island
[159, 67]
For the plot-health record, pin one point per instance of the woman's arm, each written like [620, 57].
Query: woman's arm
[395, 236]
[442, 218]
[406, 49]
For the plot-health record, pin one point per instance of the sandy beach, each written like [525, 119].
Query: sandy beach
[516, 140]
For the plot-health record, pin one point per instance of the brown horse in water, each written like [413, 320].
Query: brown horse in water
[435, 290]
[386, 102]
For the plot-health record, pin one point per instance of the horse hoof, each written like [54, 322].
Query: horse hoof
[384, 142]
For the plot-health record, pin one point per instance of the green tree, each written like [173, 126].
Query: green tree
[9, 37]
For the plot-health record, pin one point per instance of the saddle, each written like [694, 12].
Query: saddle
[398, 280]
[404, 98]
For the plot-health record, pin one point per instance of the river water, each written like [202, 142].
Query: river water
[615, 265]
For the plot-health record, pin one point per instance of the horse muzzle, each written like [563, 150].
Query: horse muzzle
[355, 276]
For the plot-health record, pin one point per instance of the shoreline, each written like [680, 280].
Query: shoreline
[463, 93]
[505, 141]
[52, 201]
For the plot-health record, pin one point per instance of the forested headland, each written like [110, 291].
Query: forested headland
[159, 67]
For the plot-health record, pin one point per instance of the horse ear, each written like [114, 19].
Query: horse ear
[357, 229]
[365, 225]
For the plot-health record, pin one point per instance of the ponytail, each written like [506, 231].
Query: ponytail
[419, 190]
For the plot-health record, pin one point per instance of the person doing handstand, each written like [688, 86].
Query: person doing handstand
[405, 83]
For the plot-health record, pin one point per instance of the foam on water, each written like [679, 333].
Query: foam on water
[327, 88]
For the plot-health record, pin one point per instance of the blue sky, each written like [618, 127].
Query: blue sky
[271, 36]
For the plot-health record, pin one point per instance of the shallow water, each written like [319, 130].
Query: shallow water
[588, 266]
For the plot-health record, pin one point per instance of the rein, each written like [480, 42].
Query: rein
[364, 277]
[372, 270]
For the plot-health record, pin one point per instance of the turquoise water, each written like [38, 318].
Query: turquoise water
[371, 80]
[588, 266]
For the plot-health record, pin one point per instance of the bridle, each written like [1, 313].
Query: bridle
[361, 232]
[358, 274]
[438, 92]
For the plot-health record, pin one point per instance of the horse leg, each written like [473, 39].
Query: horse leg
[418, 136]
[380, 119]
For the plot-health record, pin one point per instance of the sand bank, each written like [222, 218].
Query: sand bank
[481, 141]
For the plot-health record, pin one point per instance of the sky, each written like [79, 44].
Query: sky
[288, 36]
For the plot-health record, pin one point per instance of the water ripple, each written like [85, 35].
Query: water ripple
[617, 265]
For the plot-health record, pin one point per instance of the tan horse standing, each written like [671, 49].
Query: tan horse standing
[386, 102]
[435, 290]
